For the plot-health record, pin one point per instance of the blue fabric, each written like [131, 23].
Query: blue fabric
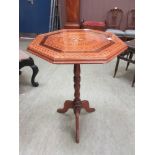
[130, 33]
[116, 32]
[34, 18]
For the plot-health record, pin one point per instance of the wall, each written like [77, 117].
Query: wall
[97, 9]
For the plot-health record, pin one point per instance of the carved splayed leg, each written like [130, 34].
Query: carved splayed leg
[67, 105]
[85, 105]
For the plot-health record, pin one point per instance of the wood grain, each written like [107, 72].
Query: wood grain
[72, 14]
[80, 46]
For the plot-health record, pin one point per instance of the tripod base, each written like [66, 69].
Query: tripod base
[76, 106]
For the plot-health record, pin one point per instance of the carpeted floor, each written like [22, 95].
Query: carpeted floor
[107, 131]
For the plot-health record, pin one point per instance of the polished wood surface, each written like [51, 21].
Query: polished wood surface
[80, 46]
[73, 10]
[76, 104]
[72, 14]
[77, 46]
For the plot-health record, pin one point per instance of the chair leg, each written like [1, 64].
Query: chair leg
[35, 71]
[128, 63]
[133, 82]
[116, 68]
[29, 62]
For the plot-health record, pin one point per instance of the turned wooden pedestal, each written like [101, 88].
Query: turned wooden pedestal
[77, 46]
[76, 104]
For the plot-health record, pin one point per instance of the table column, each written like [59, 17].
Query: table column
[76, 104]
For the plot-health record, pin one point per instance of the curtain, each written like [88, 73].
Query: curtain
[54, 23]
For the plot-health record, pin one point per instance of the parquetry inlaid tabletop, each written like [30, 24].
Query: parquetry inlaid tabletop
[69, 46]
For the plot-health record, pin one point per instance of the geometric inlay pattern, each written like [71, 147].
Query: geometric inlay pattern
[77, 46]
[76, 41]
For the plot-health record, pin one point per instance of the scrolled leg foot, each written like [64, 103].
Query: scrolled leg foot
[30, 62]
[67, 105]
[35, 71]
[85, 105]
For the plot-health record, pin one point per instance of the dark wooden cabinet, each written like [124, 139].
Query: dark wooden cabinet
[72, 14]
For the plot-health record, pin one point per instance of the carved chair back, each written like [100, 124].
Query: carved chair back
[114, 18]
[131, 19]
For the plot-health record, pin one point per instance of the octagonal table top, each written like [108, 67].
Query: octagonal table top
[77, 46]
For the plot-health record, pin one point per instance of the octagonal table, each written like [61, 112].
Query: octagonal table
[77, 46]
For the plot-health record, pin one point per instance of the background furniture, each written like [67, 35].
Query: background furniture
[77, 46]
[127, 56]
[93, 25]
[113, 21]
[96, 10]
[72, 14]
[130, 30]
[25, 60]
